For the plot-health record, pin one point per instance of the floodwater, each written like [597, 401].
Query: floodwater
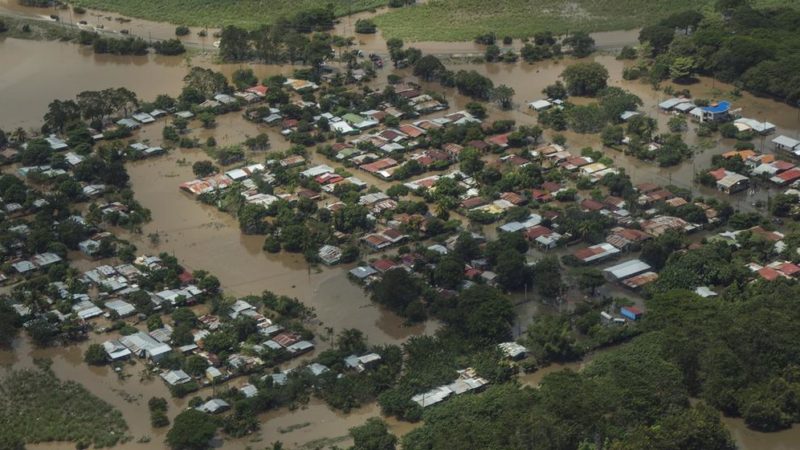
[748, 439]
[129, 395]
[111, 23]
[204, 238]
[36, 73]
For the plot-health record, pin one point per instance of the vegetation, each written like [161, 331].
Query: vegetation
[192, 430]
[35, 406]
[465, 19]
[245, 13]
[737, 43]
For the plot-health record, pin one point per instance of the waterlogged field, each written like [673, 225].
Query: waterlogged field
[245, 13]
[35, 406]
[460, 20]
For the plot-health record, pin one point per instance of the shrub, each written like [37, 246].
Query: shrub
[365, 26]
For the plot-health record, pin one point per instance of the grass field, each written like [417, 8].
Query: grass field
[460, 20]
[245, 13]
[35, 406]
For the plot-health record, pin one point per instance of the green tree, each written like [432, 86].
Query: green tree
[581, 43]
[59, 114]
[203, 168]
[429, 68]
[612, 135]
[365, 26]
[373, 435]
[396, 289]
[95, 355]
[503, 95]
[395, 47]
[682, 67]
[195, 365]
[234, 44]
[585, 78]
[511, 270]
[470, 161]
[482, 314]
[658, 36]
[590, 279]
[492, 53]
[556, 91]
[449, 273]
[192, 430]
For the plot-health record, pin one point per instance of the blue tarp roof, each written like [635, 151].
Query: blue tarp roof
[720, 107]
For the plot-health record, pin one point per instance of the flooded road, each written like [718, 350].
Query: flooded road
[111, 23]
[204, 238]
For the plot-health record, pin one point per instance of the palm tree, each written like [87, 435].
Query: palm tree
[19, 135]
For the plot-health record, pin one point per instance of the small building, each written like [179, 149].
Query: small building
[115, 350]
[214, 406]
[213, 374]
[317, 369]
[129, 123]
[120, 307]
[638, 281]
[363, 272]
[732, 183]
[176, 377]
[715, 112]
[539, 105]
[745, 124]
[512, 350]
[248, 390]
[787, 144]
[626, 269]
[630, 312]
[330, 254]
[144, 346]
[300, 347]
[596, 252]
[670, 104]
[143, 117]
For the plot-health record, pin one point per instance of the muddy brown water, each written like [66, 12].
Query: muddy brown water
[111, 23]
[204, 238]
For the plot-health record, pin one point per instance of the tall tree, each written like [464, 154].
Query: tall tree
[59, 114]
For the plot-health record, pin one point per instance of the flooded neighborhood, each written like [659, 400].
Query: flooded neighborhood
[321, 233]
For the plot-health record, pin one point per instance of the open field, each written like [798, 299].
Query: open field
[460, 20]
[35, 406]
[245, 13]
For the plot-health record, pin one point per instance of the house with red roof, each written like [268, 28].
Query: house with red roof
[541, 196]
[787, 177]
[377, 166]
[500, 140]
[411, 130]
[383, 265]
[259, 90]
[592, 205]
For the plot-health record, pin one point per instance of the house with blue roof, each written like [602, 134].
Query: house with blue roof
[715, 112]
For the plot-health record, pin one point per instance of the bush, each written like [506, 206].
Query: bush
[159, 419]
[95, 355]
[272, 245]
[169, 47]
[365, 26]
[181, 30]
